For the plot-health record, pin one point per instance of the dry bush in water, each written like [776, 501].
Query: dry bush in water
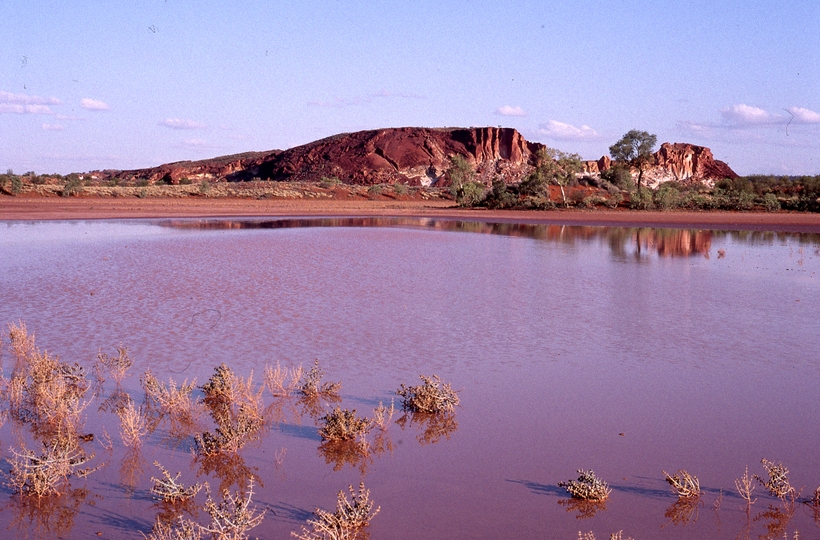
[745, 486]
[169, 490]
[343, 425]
[22, 343]
[282, 382]
[132, 424]
[433, 396]
[383, 415]
[41, 475]
[614, 536]
[684, 485]
[118, 365]
[347, 522]
[184, 530]
[587, 487]
[236, 408]
[310, 385]
[233, 516]
[171, 399]
[778, 482]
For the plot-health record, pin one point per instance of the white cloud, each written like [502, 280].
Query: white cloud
[179, 123]
[804, 116]
[25, 104]
[52, 127]
[507, 110]
[746, 115]
[94, 105]
[561, 131]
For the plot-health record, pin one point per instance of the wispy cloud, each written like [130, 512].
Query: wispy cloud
[744, 117]
[52, 127]
[197, 144]
[179, 123]
[566, 132]
[68, 118]
[25, 104]
[369, 98]
[507, 110]
[94, 105]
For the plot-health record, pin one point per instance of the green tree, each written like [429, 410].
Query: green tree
[635, 149]
[551, 167]
[463, 186]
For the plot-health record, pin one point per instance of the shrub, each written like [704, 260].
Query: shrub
[642, 199]
[620, 176]
[614, 200]
[117, 365]
[770, 202]
[777, 482]
[45, 474]
[170, 398]
[350, 517]
[399, 189]
[328, 182]
[587, 487]
[431, 397]
[471, 193]
[73, 186]
[311, 384]
[132, 424]
[375, 190]
[745, 487]
[382, 415]
[169, 490]
[204, 187]
[233, 517]
[281, 381]
[667, 197]
[501, 195]
[592, 201]
[684, 485]
[343, 425]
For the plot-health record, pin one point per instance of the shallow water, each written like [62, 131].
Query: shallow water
[628, 351]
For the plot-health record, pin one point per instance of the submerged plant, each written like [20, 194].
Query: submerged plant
[433, 396]
[41, 475]
[172, 399]
[343, 425]
[233, 516]
[168, 489]
[778, 482]
[383, 415]
[745, 486]
[282, 382]
[310, 385]
[587, 487]
[350, 517]
[118, 365]
[684, 485]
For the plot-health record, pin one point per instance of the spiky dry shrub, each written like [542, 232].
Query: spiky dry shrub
[591, 536]
[184, 529]
[117, 365]
[41, 475]
[343, 425]
[132, 424]
[745, 486]
[170, 398]
[233, 516]
[282, 382]
[587, 487]
[169, 490]
[383, 415]
[22, 343]
[777, 482]
[684, 485]
[310, 385]
[346, 523]
[433, 396]
[815, 498]
[236, 407]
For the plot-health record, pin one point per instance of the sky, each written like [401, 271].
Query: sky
[88, 85]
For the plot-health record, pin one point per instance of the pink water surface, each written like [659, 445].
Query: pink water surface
[622, 350]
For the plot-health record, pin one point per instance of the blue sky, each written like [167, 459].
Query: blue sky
[91, 85]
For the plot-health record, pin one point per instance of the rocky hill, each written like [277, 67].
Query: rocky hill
[413, 156]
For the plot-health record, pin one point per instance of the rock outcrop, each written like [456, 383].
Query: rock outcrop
[679, 162]
[415, 156]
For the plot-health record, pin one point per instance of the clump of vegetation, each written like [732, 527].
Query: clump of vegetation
[587, 487]
[236, 407]
[118, 365]
[383, 415]
[777, 482]
[233, 516]
[73, 186]
[170, 398]
[169, 490]
[132, 424]
[310, 385]
[328, 182]
[684, 485]
[347, 522]
[184, 530]
[433, 396]
[282, 382]
[343, 425]
[41, 475]
[745, 486]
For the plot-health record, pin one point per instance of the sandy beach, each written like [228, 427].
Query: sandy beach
[20, 208]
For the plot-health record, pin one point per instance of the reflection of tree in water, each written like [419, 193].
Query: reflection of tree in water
[435, 426]
[132, 468]
[683, 511]
[230, 468]
[170, 512]
[776, 520]
[357, 454]
[585, 508]
[48, 517]
[316, 406]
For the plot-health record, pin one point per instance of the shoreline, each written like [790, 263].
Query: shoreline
[51, 209]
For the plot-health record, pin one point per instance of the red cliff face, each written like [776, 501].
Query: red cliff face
[416, 156]
[679, 162]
